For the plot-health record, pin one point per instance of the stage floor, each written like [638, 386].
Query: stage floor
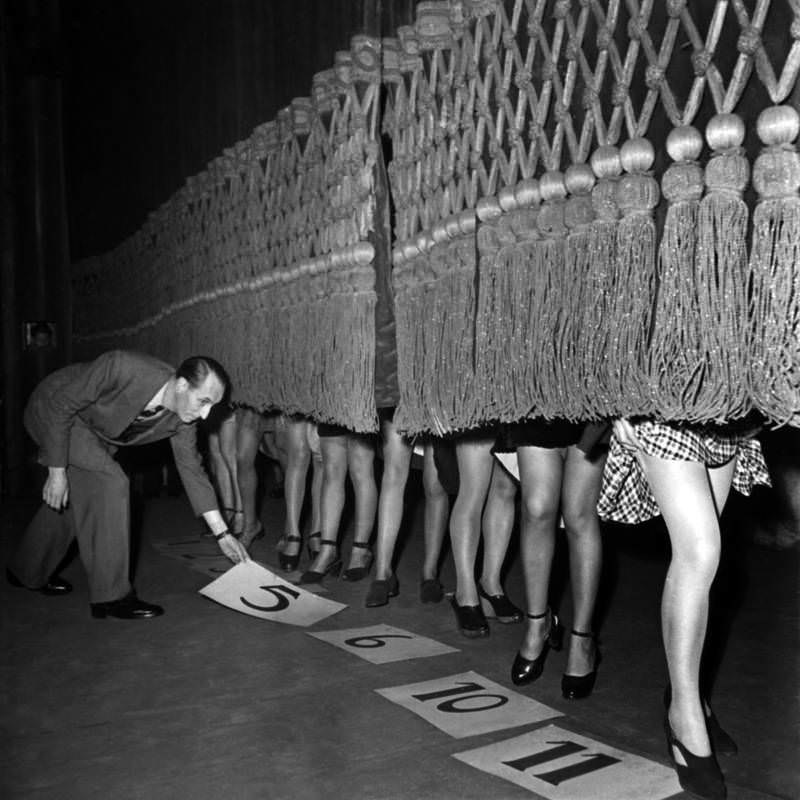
[205, 702]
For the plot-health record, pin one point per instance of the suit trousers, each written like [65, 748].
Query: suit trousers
[98, 516]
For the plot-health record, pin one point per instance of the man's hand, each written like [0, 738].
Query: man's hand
[228, 543]
[233, 549]
[56, 488]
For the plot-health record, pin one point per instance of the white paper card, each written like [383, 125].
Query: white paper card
[468, 704]
[561, 765]
[382, 644]
[252, 589]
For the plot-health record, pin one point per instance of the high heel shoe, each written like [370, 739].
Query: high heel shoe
[431, 591]
[380, 591]
[359, 573]
[235, 519]
[334, 568]
[312, 554]
[471, 620]
[576, 687]
[289, 563]
[525, 670]
[701, 776]
[722, 742]
[499, 607]
[248, 538]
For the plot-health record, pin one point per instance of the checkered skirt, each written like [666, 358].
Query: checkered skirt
[625, 495]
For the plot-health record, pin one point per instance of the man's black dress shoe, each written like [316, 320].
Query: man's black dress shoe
[128, 607]
[55, 586]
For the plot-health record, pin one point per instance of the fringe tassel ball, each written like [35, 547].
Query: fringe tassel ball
[774, 346]
[676, 364]
[633, 280]
[720, 280]
[578, 290]
[600, 392]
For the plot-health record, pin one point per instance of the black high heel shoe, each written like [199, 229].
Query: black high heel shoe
[359, 573]
[576, 687]
[235, 519]
[380, 591]
[471, 620]
[289, 563]
[499, 607]
[312, 554]
[701, 776]
[525, 670]
[334, 568]
[722, 742]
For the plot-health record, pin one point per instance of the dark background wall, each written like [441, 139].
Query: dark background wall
[153, 90]
[106, 107]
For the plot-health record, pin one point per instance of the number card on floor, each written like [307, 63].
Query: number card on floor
[382, 644]
[468, 704]
[252, 589]
[561, 765]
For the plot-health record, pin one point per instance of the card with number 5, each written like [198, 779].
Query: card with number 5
[252, 589]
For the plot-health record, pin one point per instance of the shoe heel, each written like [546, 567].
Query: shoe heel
[556, 636]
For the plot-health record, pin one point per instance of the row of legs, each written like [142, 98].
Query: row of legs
[552, 482]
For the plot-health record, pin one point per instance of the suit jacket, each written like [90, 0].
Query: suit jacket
[106, 395]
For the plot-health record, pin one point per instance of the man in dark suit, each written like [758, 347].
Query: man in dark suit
[79, 416]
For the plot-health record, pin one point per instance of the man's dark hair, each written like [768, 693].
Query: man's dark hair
[195, 369]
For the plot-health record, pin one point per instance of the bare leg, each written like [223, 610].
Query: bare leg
[437, 510]
[298, 457]
[580, 493]
[247, 437]
[222, 463]
[316, 493]
[396, 463]
[474, 471]
[360, 460]
[498, 524]
[684, 494]
[334, 472]
[540, 472]
[227, 445]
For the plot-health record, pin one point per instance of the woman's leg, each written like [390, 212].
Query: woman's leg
[334, 472]
[396, 463]
[361, 465]
[540, 473]
[498, 524]
[437, 511]
[298, 457]
[474, 458]
[222, 462]
[683, 490]
[316, 493]
[227, 445]
[580, 492]
[247, 437]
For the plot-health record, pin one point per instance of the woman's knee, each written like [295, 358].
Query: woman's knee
[698, 554]
[538, 508]
[579, 516]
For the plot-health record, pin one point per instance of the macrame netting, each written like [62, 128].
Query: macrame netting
[585, 224]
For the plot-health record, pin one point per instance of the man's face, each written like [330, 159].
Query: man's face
[193, 403]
